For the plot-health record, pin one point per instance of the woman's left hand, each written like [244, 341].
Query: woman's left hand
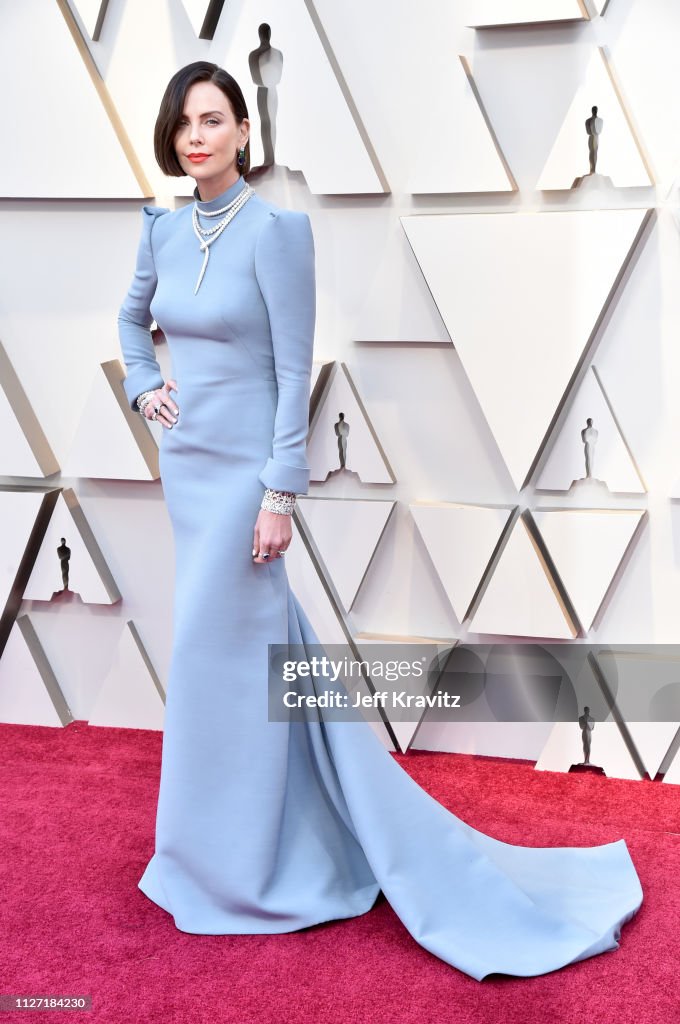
[273, 533]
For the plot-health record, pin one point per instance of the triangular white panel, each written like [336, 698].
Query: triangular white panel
[29, 691]
[644, 683]
[88, 573]
[18, 513]
[363, 453]
[406, 731]
[520, 599]
[652, 740]
[91, 13]
[24, 443]
[521, 740]
[611, 461]
[587, 546]
[346, 533]
[608, 750]
[332, 149]
[490, 13]
[316, 605]
[59, 87]
[520, 295]
[131, 696]
[111, 441]
[17, 457]
[196, 12]
[599, 6]
[317, 367]
[619, 156]
[25, 450]
[419, 686]
[460, 540]
[461, 154]
[395, 304]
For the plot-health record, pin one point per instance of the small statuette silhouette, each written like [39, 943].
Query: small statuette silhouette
[64, 554]
[266, 68]
[593, 181]
[594, 126]
[342, 430]
[589, 437]
[587, 724]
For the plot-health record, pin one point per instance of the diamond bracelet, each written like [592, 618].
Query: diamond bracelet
[282, 502]
[143, 400]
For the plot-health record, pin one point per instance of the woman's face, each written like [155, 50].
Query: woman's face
[208, 126]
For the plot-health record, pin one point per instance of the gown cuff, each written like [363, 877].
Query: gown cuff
[281, 477]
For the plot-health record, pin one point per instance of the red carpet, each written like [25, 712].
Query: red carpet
[77, 831]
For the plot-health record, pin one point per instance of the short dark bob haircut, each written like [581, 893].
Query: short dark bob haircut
[172, 109]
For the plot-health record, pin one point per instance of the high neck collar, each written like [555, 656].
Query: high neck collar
[208, 205]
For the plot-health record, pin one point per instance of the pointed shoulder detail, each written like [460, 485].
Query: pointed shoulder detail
[284, 227]
[154, 211]
[150, 215]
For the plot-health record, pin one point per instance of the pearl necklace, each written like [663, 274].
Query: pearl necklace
[207, 236]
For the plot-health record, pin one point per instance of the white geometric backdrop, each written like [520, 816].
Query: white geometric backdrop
[473, 309]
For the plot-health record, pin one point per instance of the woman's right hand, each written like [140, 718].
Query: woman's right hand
[169, 411]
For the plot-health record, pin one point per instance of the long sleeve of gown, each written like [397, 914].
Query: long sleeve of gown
[284, 265]
[134, 317]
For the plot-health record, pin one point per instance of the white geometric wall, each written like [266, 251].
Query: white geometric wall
[474, 320]
[497, 13]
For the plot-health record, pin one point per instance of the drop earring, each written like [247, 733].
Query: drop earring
[241, 156]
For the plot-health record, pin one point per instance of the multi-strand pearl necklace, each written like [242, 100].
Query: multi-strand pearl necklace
[207, 236]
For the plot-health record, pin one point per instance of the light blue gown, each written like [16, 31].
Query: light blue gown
[267, 827]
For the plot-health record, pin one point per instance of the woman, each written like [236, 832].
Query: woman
[266, 827]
